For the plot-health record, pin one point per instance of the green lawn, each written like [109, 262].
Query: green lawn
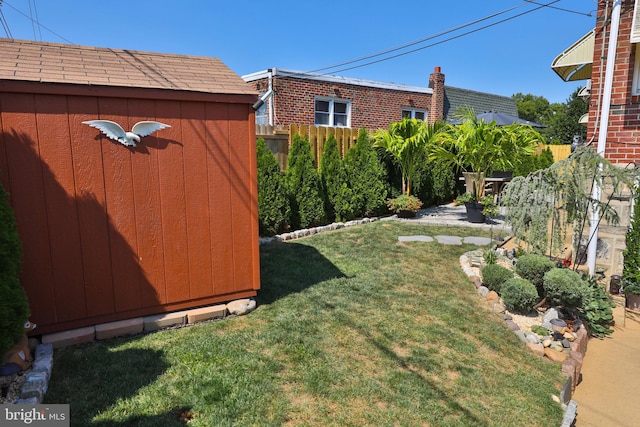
[352, 329]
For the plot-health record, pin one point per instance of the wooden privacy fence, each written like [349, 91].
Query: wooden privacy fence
[278, 139]
[560, 152]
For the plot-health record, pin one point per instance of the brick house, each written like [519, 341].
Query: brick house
[614, 126]
[326, 100]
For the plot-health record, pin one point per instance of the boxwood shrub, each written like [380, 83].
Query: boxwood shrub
[494, 275]
[533, 268]
[565, 287]
[519, 295]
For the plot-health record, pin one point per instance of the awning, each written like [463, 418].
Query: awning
[575, 62]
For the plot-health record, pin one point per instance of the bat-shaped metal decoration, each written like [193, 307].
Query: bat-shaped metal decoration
[114, 131]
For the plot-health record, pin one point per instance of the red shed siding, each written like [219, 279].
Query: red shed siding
[624, 121]
[371, 108]
[111, 232]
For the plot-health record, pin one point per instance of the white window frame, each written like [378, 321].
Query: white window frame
[635, 84]
[262, 115]
[331, 111]
[412, 112]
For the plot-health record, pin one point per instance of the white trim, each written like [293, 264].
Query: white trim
[334, 79]
[331, 112]
[635, 25]
[635, 84]
[413, 112]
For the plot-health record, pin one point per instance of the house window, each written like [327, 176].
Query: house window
[413, 113]
[332, 112]
[262, 116]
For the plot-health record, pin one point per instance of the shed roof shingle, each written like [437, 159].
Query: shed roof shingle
[71, 64]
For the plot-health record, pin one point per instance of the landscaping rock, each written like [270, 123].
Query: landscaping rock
[241, 306]
[492, 296]
[506, 316]
[551, 313]
[536, 349]
[532, 338]
[514, 327]
[555, 356]
[520, 335]
[570, 336]
[547, 342]
[499, 308]
[483, 291]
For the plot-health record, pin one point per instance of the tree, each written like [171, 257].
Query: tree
[14, 308]
[366, 176]
[559, 196]
[273, 199]
[533, 108]
[335, 184]
[406, 143]
[479, 147]
[563, 124]
[303, 183]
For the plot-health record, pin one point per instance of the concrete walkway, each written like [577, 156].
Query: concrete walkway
[609, 393]
[454, 216]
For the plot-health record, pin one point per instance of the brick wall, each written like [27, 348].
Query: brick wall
[623, 137]
[371, 108]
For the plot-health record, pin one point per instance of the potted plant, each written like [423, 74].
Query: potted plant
[631, 263]
[477, 211]
[478, 148]
[405, 206]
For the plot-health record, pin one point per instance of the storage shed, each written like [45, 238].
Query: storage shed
[112, 232]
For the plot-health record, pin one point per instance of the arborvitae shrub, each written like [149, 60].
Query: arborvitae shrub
[273, 199]
[494, 276]
[565, 287]
[338, 195]
[14, 309]
[631, 254]
[303, 183]
[366, 177]
[533, 163]
[519, 295]
[435, 183]
[533, 268]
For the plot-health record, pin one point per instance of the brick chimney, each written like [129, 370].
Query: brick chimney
[436, 82]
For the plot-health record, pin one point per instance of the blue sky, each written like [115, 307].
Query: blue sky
[506, 58]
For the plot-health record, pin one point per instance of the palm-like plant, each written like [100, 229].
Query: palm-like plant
[480, 147]
[406, 142]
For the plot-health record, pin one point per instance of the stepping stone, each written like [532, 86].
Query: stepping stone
[478, 241]
[415, 239]
[449, 240]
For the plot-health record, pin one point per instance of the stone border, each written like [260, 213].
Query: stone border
[571, 366]
[36, 378]
[315, 230]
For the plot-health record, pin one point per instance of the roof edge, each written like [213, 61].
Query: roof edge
[280, 72]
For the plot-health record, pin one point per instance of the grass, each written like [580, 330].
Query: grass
[352, 329]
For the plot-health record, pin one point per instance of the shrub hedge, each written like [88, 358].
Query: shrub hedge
[367, 177]
[273, 197]
[339, 201]
[14, 308]
[494, 276]
[533, 268]
[565, 287]
[519, 295]
[303, 184]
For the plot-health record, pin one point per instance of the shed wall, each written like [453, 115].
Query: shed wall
[111, 232]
